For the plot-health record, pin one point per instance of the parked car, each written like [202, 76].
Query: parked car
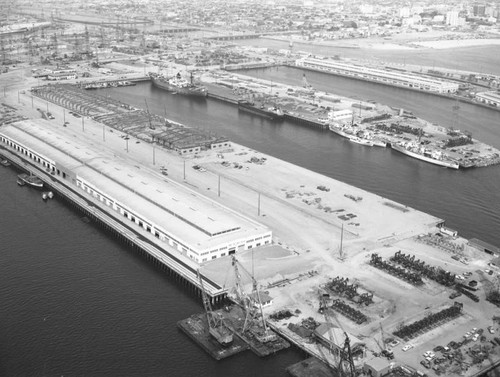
[407, 347]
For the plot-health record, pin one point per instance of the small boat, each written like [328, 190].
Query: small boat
[31, 180]
[5, 163]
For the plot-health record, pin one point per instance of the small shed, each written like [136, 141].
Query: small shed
[377, 367]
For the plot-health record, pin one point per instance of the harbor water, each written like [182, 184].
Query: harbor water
[76, 302]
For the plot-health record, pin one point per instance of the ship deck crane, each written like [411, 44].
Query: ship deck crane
[216, 326]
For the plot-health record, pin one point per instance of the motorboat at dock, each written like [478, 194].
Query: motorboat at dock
[30, 180]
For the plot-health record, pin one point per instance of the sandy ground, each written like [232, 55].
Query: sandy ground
[307, 238]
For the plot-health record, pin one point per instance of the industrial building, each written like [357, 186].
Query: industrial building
[174, 215]
[384, 76]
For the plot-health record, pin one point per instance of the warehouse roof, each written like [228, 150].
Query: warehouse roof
[177, 209]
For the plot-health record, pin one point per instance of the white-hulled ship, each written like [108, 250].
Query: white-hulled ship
[419, 152]
[177, 84]
[356, 137]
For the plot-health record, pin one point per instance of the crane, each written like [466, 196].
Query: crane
[250, 305]
[216, 327]
[149, 116]
[385, 352]
[344, 360]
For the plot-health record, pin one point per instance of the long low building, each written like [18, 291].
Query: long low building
[384, 76]
[194, 225]
[490, 98]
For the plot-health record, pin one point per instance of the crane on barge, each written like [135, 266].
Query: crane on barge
[216, 327]
[252, 305]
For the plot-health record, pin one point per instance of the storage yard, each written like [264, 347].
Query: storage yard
[343, 261]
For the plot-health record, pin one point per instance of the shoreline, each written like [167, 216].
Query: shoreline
[395, 44]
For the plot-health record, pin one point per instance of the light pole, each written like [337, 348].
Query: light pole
[83, 124]
[154, 161]
[184, 169]
[103, 133]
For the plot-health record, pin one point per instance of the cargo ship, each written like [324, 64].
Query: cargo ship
[434, 157]
[273, 113]
[178, 85]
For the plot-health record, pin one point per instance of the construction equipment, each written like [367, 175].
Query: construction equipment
[149, 115]
[252, 305]
[343, 357]
[216, 327]
[385, 351]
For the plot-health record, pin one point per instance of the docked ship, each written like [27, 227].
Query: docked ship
[177, 84]
[339, 130]
[434, 157]
[31, 180]
[270, 113]
[357, 137]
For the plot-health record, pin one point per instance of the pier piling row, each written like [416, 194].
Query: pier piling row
[173, 266]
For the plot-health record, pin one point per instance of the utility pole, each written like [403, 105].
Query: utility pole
[184, 169]
[341, 251]
[218, 187]
[258, 205]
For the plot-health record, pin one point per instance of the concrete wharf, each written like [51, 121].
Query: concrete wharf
[177, 269]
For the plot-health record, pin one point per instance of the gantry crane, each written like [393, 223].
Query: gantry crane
[216, 326]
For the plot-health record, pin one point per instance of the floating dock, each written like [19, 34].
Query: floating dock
[196, 327]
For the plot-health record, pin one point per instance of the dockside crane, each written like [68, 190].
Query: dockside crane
[149, 116]
[216, 327]
[251, 306]
[343, 358]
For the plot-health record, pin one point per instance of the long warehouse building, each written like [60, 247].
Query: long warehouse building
[388, 77]
[192, 224]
